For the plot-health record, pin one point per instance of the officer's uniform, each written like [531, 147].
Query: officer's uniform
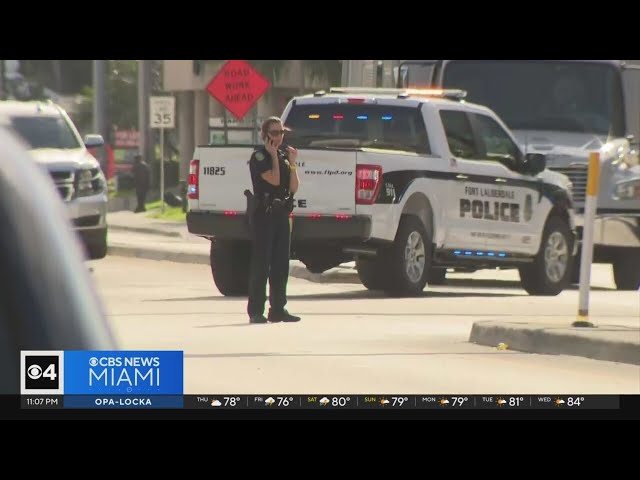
[271, 237]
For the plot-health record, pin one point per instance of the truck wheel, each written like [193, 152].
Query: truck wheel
[437, 276]
[409, 258]
[626, 270]
[230, 261]
[551, 270]
[371, 273]
[96, 244]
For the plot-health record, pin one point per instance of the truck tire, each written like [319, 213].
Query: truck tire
[626, 270]
[230, 261]
[371, 273]
[437, 276]
[550, 272]
[408, 260]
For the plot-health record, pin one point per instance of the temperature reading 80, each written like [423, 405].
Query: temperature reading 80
[340, 401]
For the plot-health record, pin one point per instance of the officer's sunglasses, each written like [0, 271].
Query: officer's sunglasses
[276, 132]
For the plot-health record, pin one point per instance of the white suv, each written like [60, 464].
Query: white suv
[56, 145]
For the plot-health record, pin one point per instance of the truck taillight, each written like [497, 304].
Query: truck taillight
[193, 190]
[368, 181]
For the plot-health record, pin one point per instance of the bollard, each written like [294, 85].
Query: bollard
[590, 206]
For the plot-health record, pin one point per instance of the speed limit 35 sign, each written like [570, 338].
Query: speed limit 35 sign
[163, 112]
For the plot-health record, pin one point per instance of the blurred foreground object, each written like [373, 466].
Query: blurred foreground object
[47, 300]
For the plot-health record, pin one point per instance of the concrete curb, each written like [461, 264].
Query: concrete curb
[156, 254]
[296, 271]
[153, 231]
[555, 340]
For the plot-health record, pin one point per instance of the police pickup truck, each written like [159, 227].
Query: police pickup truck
[408, 183]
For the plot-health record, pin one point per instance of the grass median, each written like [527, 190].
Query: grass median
[175, 214]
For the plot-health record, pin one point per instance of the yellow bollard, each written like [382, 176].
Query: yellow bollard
[590, 207]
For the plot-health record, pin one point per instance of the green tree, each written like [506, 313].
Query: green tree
[122, 95]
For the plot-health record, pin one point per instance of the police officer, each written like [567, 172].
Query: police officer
[275, 180]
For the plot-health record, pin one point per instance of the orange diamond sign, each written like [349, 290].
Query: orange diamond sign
[238, 86]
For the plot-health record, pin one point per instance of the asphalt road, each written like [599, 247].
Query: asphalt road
[354, 341]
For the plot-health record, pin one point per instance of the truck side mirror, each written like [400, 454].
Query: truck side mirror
[535, 162]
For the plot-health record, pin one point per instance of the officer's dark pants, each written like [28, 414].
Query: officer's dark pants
[269, 260]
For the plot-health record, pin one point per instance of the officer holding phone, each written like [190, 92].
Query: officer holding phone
[275, 181]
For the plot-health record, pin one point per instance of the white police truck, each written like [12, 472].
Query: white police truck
[408, 183]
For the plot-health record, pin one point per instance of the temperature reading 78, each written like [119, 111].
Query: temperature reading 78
[459, 401]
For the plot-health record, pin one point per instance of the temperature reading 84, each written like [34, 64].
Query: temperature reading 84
[574, 401]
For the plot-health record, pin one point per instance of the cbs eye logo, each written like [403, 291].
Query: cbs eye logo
[41, 373]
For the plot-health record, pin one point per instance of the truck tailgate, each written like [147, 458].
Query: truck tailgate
[224, 176]
[327, 182]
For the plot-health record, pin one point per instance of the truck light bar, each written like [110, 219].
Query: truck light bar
[449, 93]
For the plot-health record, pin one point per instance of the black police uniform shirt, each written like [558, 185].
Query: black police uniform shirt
[261, 162]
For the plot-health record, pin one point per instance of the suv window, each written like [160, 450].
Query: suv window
[45, 132]
[497, 143]
[459, 134]
[357, 125]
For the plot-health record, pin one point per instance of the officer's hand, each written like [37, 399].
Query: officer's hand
[293, 154]
[271, 148]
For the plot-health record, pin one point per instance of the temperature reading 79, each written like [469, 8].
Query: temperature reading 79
[459, 401]
[399, 401]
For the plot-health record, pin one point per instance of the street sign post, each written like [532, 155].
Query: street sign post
[238, 87]
[163, 115]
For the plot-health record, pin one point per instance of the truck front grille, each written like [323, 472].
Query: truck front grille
[578, 177]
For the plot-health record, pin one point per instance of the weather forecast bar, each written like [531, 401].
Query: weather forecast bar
[404, 402]
[325, 402]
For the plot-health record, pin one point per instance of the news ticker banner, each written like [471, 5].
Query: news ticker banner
[154, 379]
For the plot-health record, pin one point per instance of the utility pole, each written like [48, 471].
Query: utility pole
[99, 107]
[144, 92]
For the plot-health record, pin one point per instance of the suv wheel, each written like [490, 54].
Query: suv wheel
[97, 245]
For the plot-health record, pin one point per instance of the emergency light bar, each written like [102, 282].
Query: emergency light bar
[450, 93]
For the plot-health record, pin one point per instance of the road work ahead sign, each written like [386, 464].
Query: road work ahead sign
[238, 86]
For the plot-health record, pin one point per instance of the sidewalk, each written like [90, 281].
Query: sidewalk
[136, 235]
